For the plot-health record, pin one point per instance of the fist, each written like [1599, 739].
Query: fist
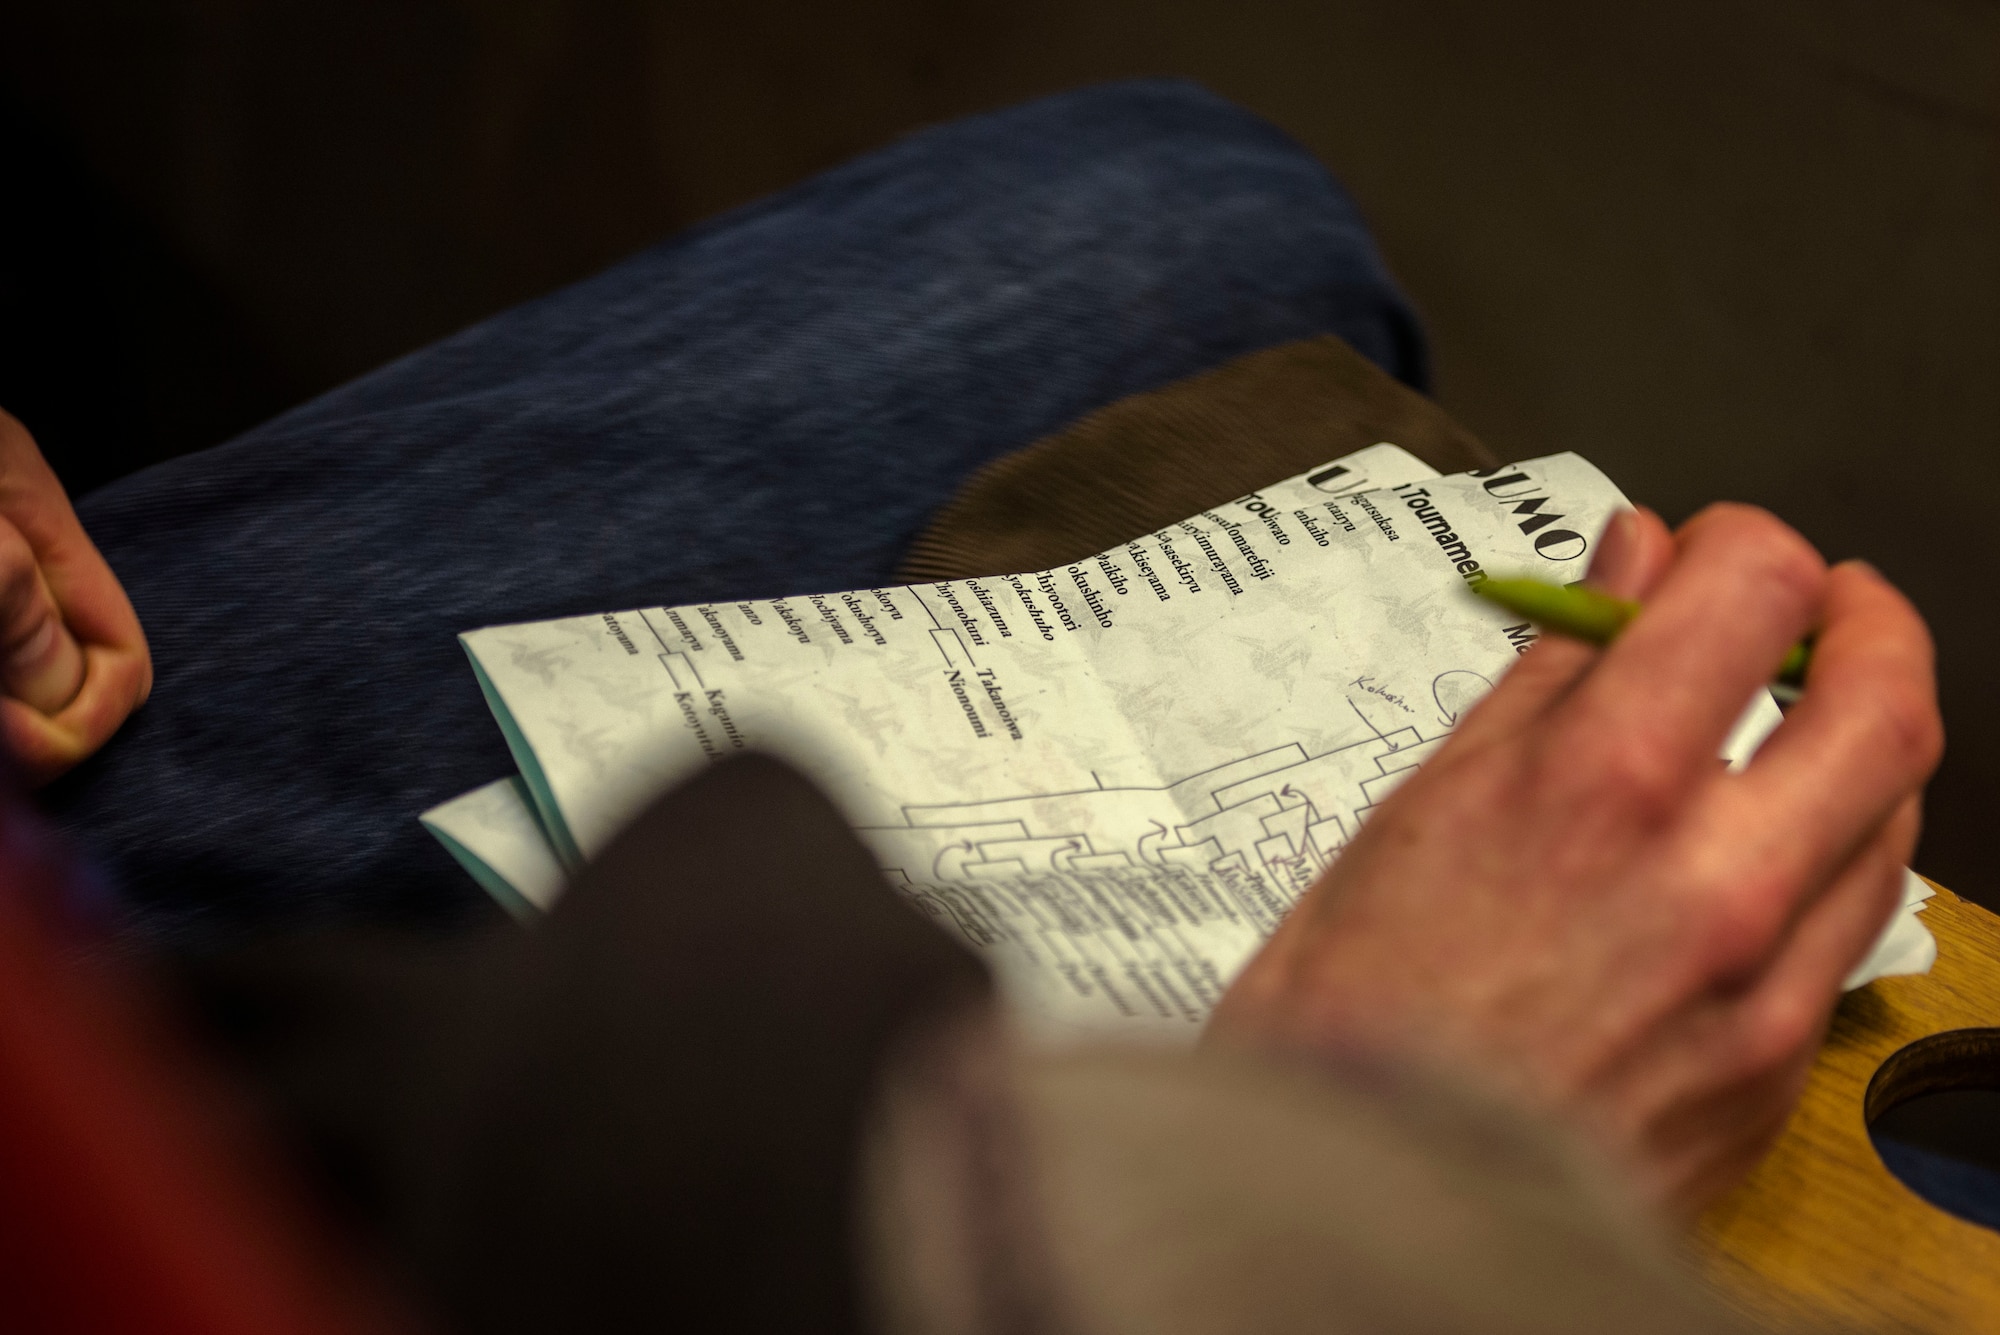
[73, 660]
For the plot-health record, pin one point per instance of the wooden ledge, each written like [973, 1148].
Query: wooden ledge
[1822, 1228]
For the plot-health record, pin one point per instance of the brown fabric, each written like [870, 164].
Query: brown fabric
[1155, 458]
[1153, 1192]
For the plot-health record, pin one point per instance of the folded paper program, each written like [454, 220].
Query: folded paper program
[1114, 777]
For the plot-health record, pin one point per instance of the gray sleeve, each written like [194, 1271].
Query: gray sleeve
[1128, 1191]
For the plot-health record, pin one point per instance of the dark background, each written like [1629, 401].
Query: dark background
[1723, 247]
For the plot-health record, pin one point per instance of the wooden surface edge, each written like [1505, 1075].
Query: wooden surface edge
[1822, 1230]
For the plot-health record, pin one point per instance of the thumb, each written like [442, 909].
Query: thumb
[41, 663]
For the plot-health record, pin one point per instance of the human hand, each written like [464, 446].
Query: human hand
[1575, 902]
[73, 660]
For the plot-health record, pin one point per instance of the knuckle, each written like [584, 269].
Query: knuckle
[1788, 563]
[1727, 950]
[20, 578]
[1636, 771]
[1910, 730]
[1798, 572]
[1780, 1028]
[17, 560]
[1779, 553]
[1733, 926]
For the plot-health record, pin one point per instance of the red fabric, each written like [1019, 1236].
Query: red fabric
[128, 1203]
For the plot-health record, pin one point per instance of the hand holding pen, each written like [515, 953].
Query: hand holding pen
[1587, 614]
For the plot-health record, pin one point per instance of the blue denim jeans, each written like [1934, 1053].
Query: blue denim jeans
[772, 403]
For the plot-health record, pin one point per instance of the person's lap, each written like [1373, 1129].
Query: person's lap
[771, 403]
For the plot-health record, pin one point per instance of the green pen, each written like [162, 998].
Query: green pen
[1581, 612]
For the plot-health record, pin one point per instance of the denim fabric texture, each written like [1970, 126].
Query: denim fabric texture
[768, 404]
[1965, 1189]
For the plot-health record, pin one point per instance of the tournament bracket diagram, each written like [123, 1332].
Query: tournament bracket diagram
[1259, 828]
[1262, 826]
